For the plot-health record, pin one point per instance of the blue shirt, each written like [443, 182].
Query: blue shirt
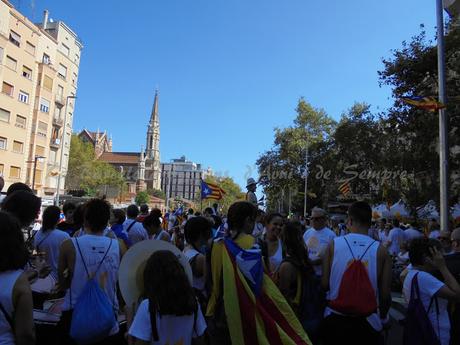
[121, 234]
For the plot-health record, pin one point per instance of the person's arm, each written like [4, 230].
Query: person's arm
[199, 265]
[122, 246]
[287, 277]
[327, 263]
[23, 312]
[66, 264]
[384, 275]
[451, 289]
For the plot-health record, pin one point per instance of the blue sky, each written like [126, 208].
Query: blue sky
[228, 71]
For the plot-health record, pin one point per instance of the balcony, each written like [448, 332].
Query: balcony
[58, 122]
[59, 99]
[55, 143]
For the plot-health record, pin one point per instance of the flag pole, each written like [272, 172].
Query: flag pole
[443, 122]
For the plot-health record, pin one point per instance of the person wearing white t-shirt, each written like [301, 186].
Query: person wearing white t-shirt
[395, 239]
[412, 232]
[425, 258]
[171, 313]
[132, 227]
[49, 239]
[317, 238]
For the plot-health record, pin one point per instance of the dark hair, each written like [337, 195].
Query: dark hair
[18, 186]
[419, 249]
[153, 219]
[119, 215]
[294, 245]
[190, 211]
[97, 214]
[197, 213]
[50, 217]
[197, 227]
[272, 216]
[167, 286]
[238, 212]
[79, 216]
[396, 222]
[156, 212]
[383, 220]
[24, 205]
[68, 206]
[217, 221]
[209, 210]
[360, 212]
[13, 252]
[144, 208]
[132, 211]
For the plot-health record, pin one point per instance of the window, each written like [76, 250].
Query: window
[2, 168]
[2, 143]
[52, 157]
[42, 127]
[60, 90]
[4, 115]
[38, 177]
[77, 58]
[23, 97]
[15, 172]
[74, 79]
[18, 146]
[46, 59]
[62, 72]
[65, 49]
[11, 63]
[26, 72]
[44, 105]
[30, 48]
[57, 112]
[39, 150]
[7, 89]
[20, 121]
[15, 38]
[48, 83]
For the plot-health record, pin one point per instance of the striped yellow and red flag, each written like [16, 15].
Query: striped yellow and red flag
[345, 188]
[256, 311]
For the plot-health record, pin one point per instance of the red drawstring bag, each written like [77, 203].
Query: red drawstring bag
[356, 295]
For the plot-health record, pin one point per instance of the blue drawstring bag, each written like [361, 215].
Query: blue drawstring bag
[93, 316]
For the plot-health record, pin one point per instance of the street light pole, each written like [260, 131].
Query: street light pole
[443, 122]
[58, 188]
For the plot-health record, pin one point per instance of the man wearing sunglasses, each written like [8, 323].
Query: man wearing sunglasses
[453, 265]
[317, 238]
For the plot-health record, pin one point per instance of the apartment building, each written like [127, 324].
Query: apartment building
[181, 178]
[38, 78]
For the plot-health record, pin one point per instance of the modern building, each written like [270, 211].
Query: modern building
[181, 178]
[140, 169]
[39, 66]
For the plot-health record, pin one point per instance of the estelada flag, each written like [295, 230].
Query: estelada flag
[256, 311]
[211, 191]
[428, 103]
[345, 188]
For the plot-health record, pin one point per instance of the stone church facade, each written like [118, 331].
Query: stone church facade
[142, 170]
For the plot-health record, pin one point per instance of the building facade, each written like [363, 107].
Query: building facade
[39, 66]
[181, 179]
[100, 141]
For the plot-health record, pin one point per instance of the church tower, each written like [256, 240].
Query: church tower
[153, 144]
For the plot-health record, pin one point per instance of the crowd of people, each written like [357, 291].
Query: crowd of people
[248, 277]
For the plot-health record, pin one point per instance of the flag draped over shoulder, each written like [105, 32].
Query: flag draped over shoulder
[211, 191]
[256, 311]
[428, 103]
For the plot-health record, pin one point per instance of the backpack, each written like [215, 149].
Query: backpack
[356, 295]
[418, 329]
[312, 300]
[93, 316]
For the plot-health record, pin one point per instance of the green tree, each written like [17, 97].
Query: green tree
[86, 173]
[157, 193]
[142, 197]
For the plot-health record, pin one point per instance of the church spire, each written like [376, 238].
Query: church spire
[152, 153]
[154, 115]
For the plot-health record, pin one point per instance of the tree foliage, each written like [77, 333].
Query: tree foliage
[232, 192]
[142, 197]
[86, 173]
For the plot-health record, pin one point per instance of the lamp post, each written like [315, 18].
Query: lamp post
[62, 149]
[35, 170]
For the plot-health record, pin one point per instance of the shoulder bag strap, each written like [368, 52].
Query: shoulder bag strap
[367, 250]
[83, 259]
[43, 240]
[7, 317]
[131, 225]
